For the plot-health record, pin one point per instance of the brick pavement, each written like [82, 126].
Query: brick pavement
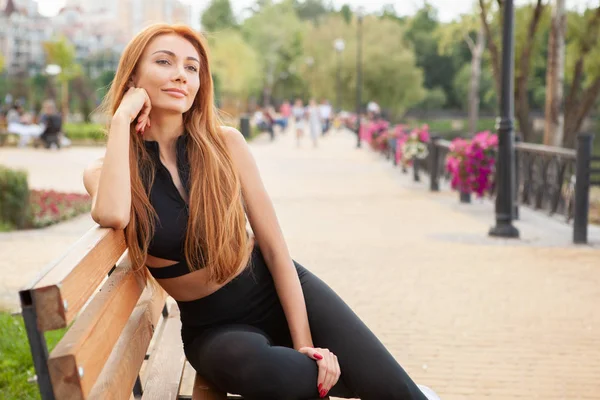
[470, 316]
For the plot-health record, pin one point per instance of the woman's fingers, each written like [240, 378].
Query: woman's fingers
[311, 352]
[331, 372]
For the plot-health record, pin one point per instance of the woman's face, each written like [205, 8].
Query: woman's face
[169, 70]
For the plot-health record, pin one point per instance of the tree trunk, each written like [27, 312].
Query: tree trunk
[268, 89]
[494, 52]
[576, 115]
[65, 100]
[578, 106]
[553, 129]
[477, 55]
[522, 109]
[521, 98]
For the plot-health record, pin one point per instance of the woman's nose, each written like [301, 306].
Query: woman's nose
[180, 75]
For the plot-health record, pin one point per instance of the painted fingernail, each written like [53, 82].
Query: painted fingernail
[320, 387]
[318, 356]
[322, 393]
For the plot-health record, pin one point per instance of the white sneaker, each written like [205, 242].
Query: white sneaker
[430, 394]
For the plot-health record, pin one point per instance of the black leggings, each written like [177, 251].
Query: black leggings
[238, 339]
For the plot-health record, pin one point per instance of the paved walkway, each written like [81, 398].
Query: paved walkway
[470, 316]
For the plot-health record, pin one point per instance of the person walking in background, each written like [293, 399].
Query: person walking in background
[286, 111]
[299, 113]
[52, 121]
[314, 121]
[325, 111]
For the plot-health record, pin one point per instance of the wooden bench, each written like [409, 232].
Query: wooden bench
[123, 339]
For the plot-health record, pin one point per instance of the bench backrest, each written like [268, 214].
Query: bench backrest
[112, 316]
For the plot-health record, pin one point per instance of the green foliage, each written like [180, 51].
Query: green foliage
[14, 197]
[583, 34]
[85, 131]
[487, 95]
[235, 64]
[1, 63]
[438, 68]
[434, 99]
[276, 34]
[346, 13]
[16, 365]
[218, 16]
[310, 10]
[62, 53]
[389, 73]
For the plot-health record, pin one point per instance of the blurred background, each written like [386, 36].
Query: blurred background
[419, 83]
[426, 62]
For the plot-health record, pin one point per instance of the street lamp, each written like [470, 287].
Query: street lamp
[505, 171]
[339, 46]
[359, 14]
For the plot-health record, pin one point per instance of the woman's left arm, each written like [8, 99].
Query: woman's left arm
[269, 236]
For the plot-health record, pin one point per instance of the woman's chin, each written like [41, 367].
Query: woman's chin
[170, 108]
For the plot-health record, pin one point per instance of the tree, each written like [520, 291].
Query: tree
[463, 30]
[273, 41]
[528, 20]
[82, 88]
[62, 53]
[217, 16]
[390, 75]
[236, 66]
[389, 11]
[583, 67]
[310, 10]
[346, 13]
[439, 69]
[553, 130]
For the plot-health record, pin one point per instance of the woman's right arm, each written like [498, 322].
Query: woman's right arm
[108, 180]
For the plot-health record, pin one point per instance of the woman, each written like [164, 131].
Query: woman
[254, 322]
[299, 113]
[314, 121]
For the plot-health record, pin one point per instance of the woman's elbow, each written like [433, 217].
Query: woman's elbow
[114, 221]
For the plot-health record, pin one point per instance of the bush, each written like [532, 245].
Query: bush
[95, 132]
[14, 198]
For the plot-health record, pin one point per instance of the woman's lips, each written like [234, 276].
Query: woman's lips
[175, 93]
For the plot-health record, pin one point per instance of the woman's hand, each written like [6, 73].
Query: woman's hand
[329, 368]
[136, 103]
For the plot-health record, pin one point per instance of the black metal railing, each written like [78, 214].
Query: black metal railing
[551, 179]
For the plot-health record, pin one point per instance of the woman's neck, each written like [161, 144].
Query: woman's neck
[164, 129]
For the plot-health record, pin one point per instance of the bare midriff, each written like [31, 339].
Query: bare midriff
[194, 285]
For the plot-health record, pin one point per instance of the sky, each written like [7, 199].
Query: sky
[447, 9]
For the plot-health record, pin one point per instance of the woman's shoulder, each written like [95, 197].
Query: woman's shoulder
[233, 137]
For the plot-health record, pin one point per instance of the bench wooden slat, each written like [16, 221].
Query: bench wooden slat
[72, 279]
[204, 391]
[122, 367]
[165, 366]
[89, 341]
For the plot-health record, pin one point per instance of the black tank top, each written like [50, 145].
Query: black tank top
[171, 209]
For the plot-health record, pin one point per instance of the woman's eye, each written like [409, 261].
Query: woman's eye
[163, 62]
[192, 68]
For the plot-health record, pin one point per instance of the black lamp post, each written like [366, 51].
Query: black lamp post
[505, 163]
[359, 14]
[339, 46]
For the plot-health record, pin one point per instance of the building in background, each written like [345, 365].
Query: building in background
[99, 30]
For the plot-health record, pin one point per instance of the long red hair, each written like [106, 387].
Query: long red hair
[216, 237]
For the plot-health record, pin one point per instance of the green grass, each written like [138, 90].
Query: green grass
[16, 365]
